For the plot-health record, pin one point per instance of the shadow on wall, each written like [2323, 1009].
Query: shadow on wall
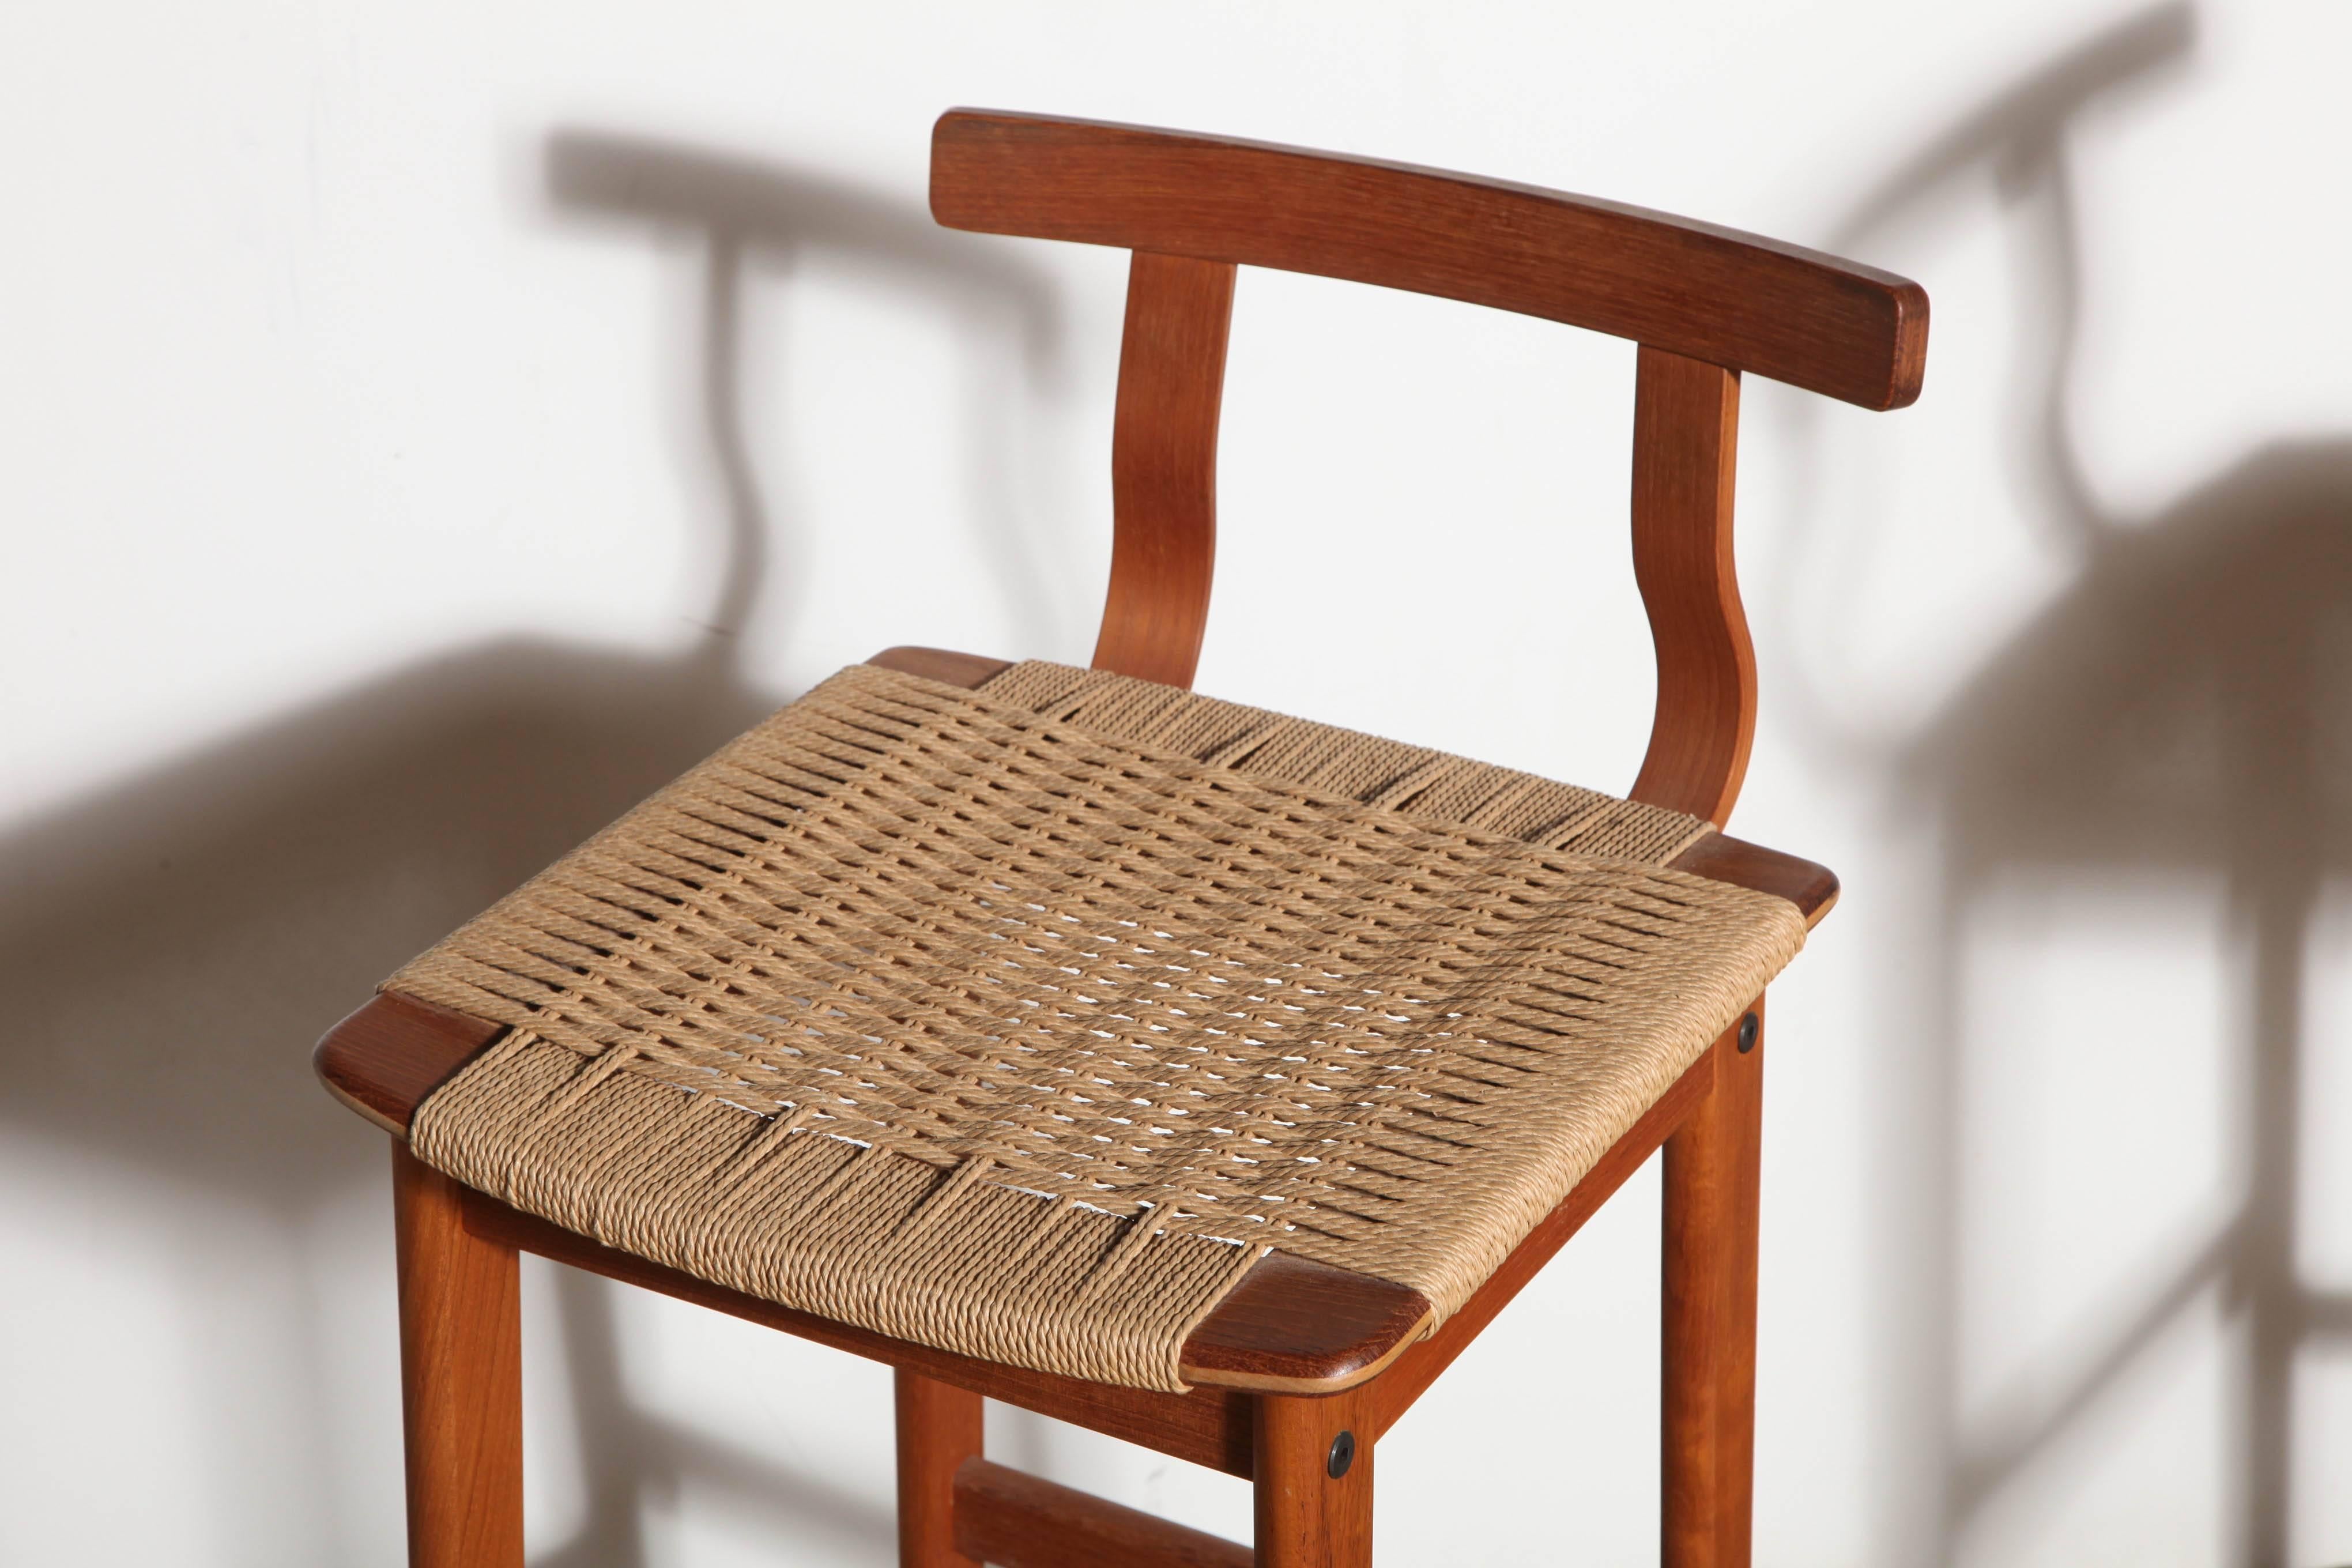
[753, 218]
[170, 948]
[2181, 708]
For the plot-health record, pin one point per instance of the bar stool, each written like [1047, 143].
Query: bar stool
[1203, 1076]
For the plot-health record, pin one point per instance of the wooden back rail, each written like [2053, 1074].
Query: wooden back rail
[1704, 303]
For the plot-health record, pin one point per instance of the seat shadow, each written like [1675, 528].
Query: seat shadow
[171, 946]
[2182, 710]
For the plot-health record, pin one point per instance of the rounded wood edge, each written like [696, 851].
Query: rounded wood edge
[1719, 857]
[969, 670]
[1910, 371]
[393, 1051]
[1311, 1386]
[352, 1103]
[1298, 1327]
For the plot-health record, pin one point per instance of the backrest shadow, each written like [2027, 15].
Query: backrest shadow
[170, 946]
[2177, 711]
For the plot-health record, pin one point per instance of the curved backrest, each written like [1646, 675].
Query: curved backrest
[1704, 303]
[1735, 300]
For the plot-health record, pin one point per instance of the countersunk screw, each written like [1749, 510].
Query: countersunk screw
[1343, 1454]
[1748, 1034]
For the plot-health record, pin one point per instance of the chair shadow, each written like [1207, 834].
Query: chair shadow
[2175, 711]
[2171, 713]
[753, 217]
[632, 1460]
[171, 946]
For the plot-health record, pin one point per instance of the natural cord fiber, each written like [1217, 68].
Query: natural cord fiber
[1019, 1022]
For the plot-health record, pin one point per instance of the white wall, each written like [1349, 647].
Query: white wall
[380, 387]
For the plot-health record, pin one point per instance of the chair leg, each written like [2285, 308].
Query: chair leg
[1709, 1418]
[1309, 1517]
[460, 1377]
[939, 1429]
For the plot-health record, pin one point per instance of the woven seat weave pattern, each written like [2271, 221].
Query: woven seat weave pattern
[1020, 1022]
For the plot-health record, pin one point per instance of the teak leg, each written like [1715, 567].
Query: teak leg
[1709, 1419]
[939, 1429]
[1307, 1518]
[460, 1377]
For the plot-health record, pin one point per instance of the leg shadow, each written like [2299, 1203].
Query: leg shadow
[633, 1463]
[169, 947]
[2174, 712]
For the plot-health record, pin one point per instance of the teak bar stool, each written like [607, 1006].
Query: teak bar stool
[1200, 1076]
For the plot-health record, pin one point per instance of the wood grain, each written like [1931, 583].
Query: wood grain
[969, 670]
[937, 1429]
[1297, 1326]
[393, 1050]
[1405, 1381]
[1208, 1427]
[1305, 1517]
[1735, 299]
[1012, 1520]
[1685, 437]
[1163, 467]
[460, 1376]
[1708, 1418]
[1813, 888]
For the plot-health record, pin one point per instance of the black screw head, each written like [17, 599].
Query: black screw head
[1748, 1034]
[1343, 1454]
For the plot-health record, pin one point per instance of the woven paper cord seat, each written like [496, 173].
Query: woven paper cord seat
[1019, 1022]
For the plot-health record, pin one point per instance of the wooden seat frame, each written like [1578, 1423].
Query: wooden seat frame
[1302, 1362]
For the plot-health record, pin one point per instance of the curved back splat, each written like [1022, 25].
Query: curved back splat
[1705, 304]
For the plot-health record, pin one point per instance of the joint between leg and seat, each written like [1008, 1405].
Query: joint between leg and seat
[460, 1375]
[1709, 1419]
